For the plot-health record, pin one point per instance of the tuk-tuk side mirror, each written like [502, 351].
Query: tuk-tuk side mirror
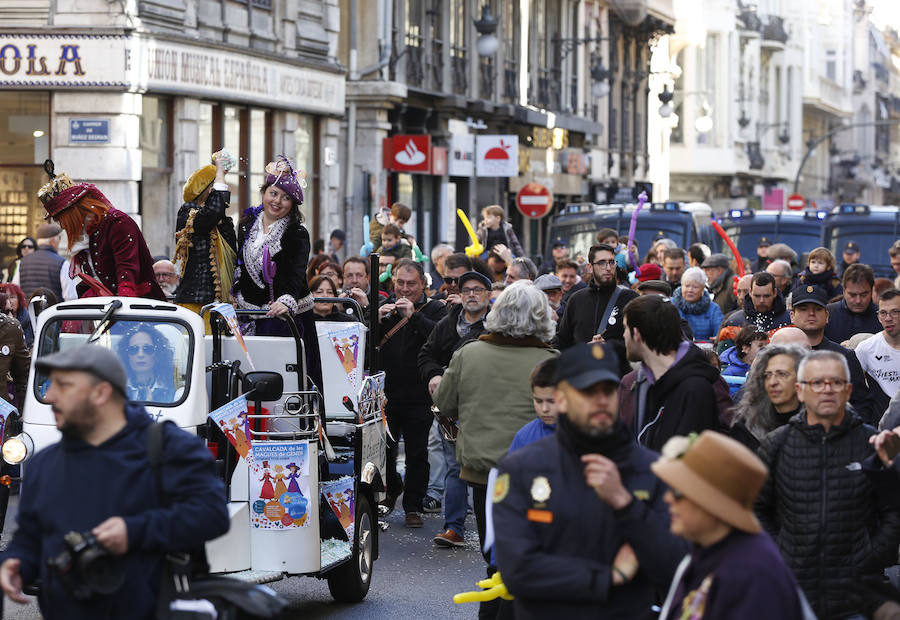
[266, 386]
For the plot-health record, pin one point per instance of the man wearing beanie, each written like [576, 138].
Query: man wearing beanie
[45, 268]
[580, 526]
[206, 246]
[734, 570]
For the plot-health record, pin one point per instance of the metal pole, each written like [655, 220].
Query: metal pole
[834, 131]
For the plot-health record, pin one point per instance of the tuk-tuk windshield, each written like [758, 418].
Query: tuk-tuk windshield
[156, 355]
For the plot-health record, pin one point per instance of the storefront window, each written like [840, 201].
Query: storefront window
[24, 145]
[232, 120]
[25, 136]
[258, 161]
[156, 149]
[205, 126]
[304, 143]
[155, 132]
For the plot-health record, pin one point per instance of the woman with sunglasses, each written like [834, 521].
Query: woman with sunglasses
[26, 246]
[150, 364]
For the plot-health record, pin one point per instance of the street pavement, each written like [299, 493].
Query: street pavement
[411, 578]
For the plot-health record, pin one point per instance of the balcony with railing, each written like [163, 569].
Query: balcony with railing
[415, 61]
[773, 32]
[459, 66]
[549, 89]
[511, 80]
[487, 74]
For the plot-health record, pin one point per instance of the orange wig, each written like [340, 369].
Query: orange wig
[74, 219]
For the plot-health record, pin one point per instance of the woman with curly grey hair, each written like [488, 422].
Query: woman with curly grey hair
[487, 385]
[769, 396]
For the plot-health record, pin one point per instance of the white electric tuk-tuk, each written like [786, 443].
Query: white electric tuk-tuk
[304, 465]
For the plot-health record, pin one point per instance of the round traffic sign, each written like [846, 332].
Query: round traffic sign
[534, 200]
[796, 202]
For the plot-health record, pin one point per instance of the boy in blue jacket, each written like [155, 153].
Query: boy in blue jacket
[543, 386]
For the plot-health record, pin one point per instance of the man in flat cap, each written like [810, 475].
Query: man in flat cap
[98, 479]
[720, 277]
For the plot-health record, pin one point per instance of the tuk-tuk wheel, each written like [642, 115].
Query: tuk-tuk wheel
[349, 583]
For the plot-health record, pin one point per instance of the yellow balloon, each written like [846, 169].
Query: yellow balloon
[492, 588]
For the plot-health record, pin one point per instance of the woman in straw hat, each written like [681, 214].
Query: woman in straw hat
[734, 570]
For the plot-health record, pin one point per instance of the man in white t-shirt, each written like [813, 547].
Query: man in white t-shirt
[879, 356]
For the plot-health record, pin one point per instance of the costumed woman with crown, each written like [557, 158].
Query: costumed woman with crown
[109, 252]
[272, 258]
[205, 247]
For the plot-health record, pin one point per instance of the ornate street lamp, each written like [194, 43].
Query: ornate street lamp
[487, 43]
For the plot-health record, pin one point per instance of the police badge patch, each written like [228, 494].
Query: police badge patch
[501, 488]
[540, 489]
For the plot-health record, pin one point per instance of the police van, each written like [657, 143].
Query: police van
[683, 223]
[873, 228]
[801, 230]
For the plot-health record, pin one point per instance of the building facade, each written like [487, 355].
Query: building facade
[738, 137]
[135, 96]
[559, 96]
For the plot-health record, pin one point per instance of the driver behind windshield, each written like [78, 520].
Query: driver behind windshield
[150, 364]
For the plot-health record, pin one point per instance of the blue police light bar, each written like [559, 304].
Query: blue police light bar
[853, 209]
[737, 214]
[815, 215]
[665, 206]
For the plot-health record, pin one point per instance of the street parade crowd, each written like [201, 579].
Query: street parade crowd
[636, 438]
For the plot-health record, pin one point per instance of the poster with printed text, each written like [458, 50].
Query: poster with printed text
[279, 485]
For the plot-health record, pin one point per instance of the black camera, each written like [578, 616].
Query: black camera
[86, 568]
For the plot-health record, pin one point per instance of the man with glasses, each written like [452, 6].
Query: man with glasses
[454, 266]
[463, 323]
[809, 312]
[819, 505]
[879, 356]
[594, 314]
[168, 280]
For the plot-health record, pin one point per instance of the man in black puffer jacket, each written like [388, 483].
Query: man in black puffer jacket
[821, 507]
[674, 393]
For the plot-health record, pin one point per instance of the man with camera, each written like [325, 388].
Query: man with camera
[96, 519]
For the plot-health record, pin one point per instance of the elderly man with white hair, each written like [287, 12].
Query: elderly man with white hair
[696, 306]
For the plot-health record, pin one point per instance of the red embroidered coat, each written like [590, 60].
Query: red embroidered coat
[121, 259]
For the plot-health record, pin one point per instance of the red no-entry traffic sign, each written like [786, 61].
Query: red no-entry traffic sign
[534, 200]
[796, 202]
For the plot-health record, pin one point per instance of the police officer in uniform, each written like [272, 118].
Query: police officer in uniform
[14, 356]
[580, 524]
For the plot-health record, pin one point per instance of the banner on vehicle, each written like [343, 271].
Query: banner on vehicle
[231, 418]
[227, 312]
[339, 495]
[279, 485]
